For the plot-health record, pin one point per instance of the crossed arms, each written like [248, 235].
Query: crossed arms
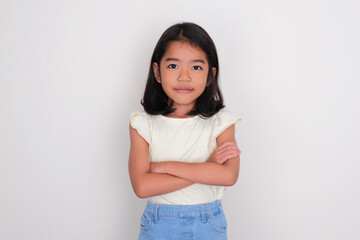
[150, 179]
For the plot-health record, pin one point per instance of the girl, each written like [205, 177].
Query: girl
[183, 151]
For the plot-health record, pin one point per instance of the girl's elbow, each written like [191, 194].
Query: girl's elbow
[231, 180]
[232, 173]
[141, 194]
[140, 191]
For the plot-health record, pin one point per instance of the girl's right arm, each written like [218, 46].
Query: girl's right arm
[145, 183]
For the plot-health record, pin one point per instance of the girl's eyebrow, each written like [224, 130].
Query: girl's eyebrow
[177, 60]
[199, 60]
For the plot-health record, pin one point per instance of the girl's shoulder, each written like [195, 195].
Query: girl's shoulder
[141, 122]
[225, 117]
[220, 122]
[138, 114]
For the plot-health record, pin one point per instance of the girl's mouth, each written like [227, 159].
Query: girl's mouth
[183, 90]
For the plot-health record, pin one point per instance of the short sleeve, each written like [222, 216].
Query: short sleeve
[222, 120]
[141, 122]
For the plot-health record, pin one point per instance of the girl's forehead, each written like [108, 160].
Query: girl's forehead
[184, 50]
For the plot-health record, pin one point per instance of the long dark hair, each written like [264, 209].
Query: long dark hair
[155, 100]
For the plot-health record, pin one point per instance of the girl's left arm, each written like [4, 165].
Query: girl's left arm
[209, 172]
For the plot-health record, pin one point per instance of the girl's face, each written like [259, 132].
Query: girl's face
[183, 74]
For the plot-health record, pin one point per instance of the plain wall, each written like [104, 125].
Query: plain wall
[72, 71]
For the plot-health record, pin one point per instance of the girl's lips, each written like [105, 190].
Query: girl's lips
[183, 90]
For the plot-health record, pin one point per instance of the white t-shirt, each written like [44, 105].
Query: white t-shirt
[183, 139]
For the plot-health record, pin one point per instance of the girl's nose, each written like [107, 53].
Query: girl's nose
[184, 76]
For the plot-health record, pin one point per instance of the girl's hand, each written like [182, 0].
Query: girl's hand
[224, 152]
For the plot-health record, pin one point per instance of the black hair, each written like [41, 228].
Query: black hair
[155, 100]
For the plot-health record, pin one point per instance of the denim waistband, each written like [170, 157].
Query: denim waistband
[184, 211]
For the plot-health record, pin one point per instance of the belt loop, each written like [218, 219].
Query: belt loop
[219, 205]
[203, 217]
[156, 217]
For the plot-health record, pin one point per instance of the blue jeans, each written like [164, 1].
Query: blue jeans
[182, 222]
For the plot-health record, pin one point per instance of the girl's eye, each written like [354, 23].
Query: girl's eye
[196, 68]
[173, 66]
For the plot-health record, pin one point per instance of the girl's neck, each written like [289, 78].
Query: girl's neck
[174, 115]
[180, 113]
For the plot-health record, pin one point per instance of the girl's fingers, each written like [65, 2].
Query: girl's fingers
[226, 144]
[226, 156]
[224, 152]
[232, 147]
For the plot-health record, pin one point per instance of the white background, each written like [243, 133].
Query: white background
[72, 71]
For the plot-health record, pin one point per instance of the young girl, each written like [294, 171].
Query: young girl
[183, 150]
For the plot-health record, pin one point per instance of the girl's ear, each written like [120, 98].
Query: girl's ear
[212, 77]
[214, 71]
[156, 70]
